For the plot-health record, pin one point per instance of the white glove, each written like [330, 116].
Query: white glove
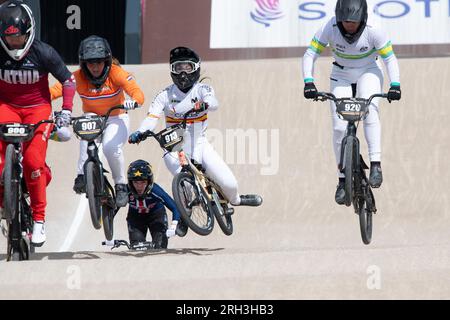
[63, 118]
[109, 243]
[171, 230]
[129, 104]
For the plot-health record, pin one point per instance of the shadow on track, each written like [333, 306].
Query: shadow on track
[154, 252]
[89, 255]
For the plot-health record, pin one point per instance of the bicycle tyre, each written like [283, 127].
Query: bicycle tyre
[224, 220]
[108, 212]
[206, 224]
[15, 250]
[348, 170]
[93, 185]
[365, 218]
[10, 185]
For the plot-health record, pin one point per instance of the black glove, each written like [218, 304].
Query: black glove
[394, 93]
[310, 91]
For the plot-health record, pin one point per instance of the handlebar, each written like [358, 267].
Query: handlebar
[116, 244]
[150, 133]
[141, 246]
[106, 116]
[29, 135]
[323, 96]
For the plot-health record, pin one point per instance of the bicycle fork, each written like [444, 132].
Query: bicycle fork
[350, 134]
[92, 151]
[21, 226]
[199, 179]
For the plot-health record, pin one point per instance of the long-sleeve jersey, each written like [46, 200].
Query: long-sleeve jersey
[174, 104]
[152, 202]
[372, 43]
[24, 83]
[110, 94]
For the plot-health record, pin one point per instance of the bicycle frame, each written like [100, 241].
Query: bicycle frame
[201, 180]
[350, 134]
[351, 123]
[21, 224]
[92, 151]
[99, 191]
[92, 148]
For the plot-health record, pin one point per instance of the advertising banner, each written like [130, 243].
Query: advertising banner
[292, 23]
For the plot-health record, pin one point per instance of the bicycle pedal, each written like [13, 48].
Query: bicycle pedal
[230, 212]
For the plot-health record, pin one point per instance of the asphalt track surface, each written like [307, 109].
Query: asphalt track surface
[299, 244]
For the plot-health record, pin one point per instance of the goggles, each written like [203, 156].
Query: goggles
[184, 66]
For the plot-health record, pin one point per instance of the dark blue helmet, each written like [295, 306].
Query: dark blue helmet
[140, 170]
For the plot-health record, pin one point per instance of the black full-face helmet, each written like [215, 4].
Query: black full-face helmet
[351, 10]
[184, 67]
[95, 49]
[140, 170]
[16, 19]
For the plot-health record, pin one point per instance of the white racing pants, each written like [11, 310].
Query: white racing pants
[216, 169]
[113, 139]
[369, 80]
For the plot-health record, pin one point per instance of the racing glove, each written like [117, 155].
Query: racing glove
[310, 90]
[201, 106]
[394, 93]
[130, 104]
[135, 137]
[171, 230]
[63, 118]
[109, 243]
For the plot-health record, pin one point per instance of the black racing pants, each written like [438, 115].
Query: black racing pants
[155, 222]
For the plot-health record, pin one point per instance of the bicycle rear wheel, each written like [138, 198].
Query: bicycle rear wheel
[108, 212]
[194, 208]
[11, 182]
[93, 192]
[348, 170]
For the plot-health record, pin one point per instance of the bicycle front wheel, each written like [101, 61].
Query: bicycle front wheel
[365, 213]
[11, 182]
[194, 208]
[108, 212]
[223, 218]
[93, 192]
[348, 170]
